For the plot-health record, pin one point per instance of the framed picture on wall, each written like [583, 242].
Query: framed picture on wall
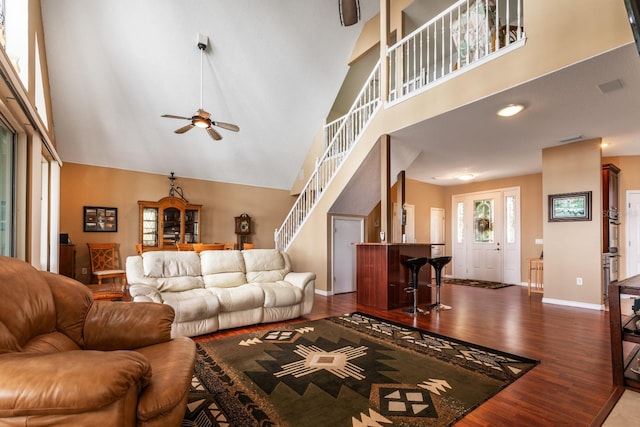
[570, 207]
[98, 218]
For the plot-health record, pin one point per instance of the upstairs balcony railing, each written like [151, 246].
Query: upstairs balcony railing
[343, 133]
[463, 35]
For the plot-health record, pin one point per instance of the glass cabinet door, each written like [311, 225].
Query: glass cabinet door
[171, 227]
[168, 221]
[192, 226]
[150, 227]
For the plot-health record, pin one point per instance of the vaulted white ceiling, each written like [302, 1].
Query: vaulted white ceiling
[274, 68]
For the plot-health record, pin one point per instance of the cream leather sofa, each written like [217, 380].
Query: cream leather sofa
[214, 290]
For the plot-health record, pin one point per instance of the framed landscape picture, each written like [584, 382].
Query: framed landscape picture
[570, 206]
[97, 218]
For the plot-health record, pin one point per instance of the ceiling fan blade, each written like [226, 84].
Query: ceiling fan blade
[227, 126]
[184, 128]
[171, 116]
[213, 134]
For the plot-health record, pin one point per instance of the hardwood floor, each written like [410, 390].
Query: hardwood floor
[569, 386]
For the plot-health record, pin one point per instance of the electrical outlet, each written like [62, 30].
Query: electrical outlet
[579, 281]
[84, 270]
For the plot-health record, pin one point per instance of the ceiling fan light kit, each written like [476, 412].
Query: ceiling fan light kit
[202, 118]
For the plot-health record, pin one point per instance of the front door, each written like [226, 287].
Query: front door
[486, 238]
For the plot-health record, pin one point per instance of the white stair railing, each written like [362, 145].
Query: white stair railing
[462, 35]
[331, 129]
[345, 132]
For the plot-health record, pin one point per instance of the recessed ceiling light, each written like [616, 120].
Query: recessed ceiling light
[466, 177]
[510, 110]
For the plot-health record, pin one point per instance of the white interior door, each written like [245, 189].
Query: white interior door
[437, 226]
[633, 232]
[346, 232]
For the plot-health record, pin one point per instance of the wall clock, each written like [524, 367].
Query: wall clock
[243, 224]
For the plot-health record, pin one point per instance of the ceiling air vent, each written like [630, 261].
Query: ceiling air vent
[610, 86]
[573, 138]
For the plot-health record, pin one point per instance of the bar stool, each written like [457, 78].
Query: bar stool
[414, 264]
[438, 264]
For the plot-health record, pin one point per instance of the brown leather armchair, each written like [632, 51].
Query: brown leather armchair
[68, 360]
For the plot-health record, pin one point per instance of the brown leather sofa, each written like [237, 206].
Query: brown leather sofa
[68, 360]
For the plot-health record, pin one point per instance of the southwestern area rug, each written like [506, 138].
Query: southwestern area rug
[476, 283]
[351, 370]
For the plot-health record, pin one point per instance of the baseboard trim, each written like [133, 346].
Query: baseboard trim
[599, 307]
[323, 293]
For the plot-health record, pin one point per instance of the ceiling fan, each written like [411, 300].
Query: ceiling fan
[202, 118]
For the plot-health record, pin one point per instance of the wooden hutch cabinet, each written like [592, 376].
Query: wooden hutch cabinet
[168, 221]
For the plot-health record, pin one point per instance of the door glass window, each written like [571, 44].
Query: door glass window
[483, 218]
[460, 220]
[511, 219]
[171, 226]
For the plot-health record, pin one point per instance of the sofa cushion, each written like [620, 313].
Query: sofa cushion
[239, 298]
[193, 304]
[45, 384]
[265, 265]
[53, 342]
[173, 271]
[171, 264]
[179, 283]
[8, 343]
[27, 308]
[222, 269]
[280, 294]
[172, 370]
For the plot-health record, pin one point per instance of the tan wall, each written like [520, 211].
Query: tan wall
[423, 197]
[370, 36]
[83, 185]
[573, 249]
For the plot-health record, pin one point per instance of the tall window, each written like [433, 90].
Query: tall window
[7, 196]
[460, 219]
[511, 219]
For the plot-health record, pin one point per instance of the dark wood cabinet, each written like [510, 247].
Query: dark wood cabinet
[610, 206]
[382, 278]
[67, 260]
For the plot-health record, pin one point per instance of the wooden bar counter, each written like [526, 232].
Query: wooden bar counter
[381, 276]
